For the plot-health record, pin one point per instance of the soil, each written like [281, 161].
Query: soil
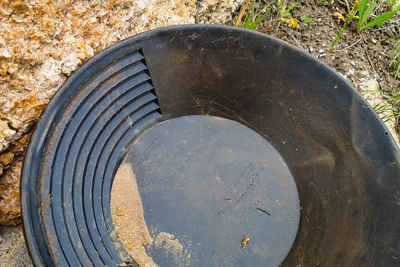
[172, 247]
[128, 217]
[13, 251]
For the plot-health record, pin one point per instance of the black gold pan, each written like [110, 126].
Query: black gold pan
[246, 149]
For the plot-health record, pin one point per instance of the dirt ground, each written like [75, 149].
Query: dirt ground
[13, 251]
[353, 57]
[362, 58]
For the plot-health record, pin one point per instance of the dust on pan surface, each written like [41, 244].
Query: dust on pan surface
[201, 185]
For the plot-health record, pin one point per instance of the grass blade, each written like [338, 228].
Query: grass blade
[241, 13]
[249, 16]
[396, 61]
[340, 33]
[366, 15]
[289, 9]
[379, 20]
[361, 9]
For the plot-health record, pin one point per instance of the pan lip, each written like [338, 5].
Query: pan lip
[49, 118]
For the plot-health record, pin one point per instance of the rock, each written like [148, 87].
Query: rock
[350, 72]
[4, 53]
[10, 210]
[6, 134]
[70, 64]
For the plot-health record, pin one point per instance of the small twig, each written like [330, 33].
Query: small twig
[241, 13]
[348, 6]
[386, 55]
[276, 26]
[359, 40]
[262, 210]
[294, 38]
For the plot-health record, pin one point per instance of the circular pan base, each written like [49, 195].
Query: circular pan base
[212, 183]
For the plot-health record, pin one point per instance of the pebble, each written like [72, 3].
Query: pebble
[4, 53]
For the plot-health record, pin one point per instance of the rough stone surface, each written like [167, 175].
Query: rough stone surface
[9, 188]
[10, 173]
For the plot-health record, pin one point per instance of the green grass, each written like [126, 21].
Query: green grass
[396, 59]
[386, 111]
[391, 4]
[362, 12]
[254, 16]
[389, 110]
[306, 21]
[365, 11]
[393, 100]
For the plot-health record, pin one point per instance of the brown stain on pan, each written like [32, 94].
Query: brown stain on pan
[128, 216]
